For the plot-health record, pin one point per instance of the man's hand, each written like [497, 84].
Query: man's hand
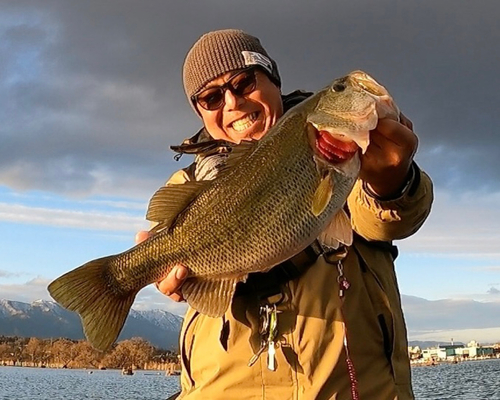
[386, 164]
[170, 285]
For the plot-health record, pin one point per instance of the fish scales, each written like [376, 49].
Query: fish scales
[251, 212]
[270, 202]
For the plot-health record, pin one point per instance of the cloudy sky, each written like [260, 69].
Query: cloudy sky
[91, 99]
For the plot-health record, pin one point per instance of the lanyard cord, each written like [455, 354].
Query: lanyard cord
[343, 286]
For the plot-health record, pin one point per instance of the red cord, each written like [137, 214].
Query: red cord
[343, 286]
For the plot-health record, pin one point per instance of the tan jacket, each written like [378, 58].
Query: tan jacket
[311, 357]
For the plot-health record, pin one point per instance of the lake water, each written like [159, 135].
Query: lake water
[472, 380]
[77, 384]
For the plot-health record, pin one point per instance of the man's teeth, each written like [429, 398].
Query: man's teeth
[245, 122]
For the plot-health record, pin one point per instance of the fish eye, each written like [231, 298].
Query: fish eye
[338, 87]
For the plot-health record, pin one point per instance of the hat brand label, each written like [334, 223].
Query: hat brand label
[253, 58]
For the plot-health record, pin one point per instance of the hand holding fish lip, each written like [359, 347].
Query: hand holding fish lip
[170, 286]
[386, 164]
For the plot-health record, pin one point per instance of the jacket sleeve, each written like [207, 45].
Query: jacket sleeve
[388, 220]
[178, 178]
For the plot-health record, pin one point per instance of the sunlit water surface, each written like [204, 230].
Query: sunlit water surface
[78, 384]
[472, 380]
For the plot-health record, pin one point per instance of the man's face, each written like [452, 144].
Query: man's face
[246, 116]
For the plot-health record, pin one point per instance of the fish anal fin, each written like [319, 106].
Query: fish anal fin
[169, 201]
[338, 230]
[322, 195]
[210, 296]
[103, 311]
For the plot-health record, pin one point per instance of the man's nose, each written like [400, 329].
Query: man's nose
[232, 101]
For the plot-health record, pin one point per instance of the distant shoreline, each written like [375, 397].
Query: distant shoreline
[428, 363]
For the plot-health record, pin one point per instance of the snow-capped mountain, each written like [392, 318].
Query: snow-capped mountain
[160, 318]
[46, 319]
[11, 308]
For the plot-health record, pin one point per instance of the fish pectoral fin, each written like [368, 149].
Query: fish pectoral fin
[169, 201]
[322, 195]
[103, 311]
[338, 230]
[210, 296]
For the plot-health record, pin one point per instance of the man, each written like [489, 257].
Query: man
[340, 329]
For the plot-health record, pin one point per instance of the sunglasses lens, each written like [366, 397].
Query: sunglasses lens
[241, 84]
[211, 99]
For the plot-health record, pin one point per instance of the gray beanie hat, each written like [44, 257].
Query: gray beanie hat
[218, 52]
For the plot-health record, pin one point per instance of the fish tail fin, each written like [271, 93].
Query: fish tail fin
[102, 309]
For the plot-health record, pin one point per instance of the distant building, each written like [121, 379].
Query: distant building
[452, 352]
[441, 352]
[414, 353]
[476, 351]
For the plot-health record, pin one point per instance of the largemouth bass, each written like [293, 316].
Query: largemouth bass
[271, 200]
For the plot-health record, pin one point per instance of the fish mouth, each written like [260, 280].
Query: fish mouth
[335, 149]
[367, 83]
[385, 106]
[351, 128]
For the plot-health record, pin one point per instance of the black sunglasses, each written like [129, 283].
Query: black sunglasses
[240, 84]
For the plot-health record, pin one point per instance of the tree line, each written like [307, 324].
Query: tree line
[67, 353]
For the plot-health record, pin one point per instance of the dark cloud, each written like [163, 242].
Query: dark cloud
[92, 88]
[494, 291]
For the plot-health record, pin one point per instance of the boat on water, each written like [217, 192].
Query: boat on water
[175, 372]
[127, 371]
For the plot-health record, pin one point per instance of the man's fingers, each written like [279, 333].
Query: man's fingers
[391, 130]
[141, 236]
[405, 121]
[176, 297]
[392, 133]
[172, 283]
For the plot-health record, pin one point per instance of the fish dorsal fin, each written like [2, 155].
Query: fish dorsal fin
[338, 230]
[169, 201]
[322, 195]
[236, 155]
[211, 297]
[206, 148]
